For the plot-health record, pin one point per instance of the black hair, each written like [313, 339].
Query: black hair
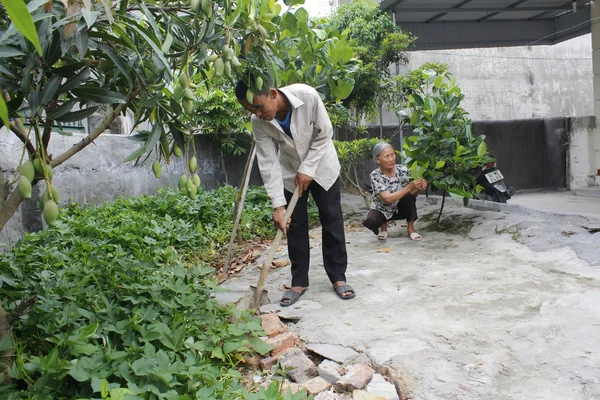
[241, 87]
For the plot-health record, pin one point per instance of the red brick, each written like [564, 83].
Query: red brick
[272, 324]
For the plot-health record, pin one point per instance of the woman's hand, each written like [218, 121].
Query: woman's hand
[418, 185]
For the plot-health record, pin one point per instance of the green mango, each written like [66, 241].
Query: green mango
[178, 92]
[37, 166]
[156, 168]
[182, 182]
[196, 180]
[183, 80]
[51, 212]
[219, 65]
[24, 187]
[193, 192]
[188, 94]
[259, 82]
[28, 170]
[235, 62]
[188, 106]
[176, 150]
[193, 164]
[206, 6]
[189, 185]
[46, 196]
[227, 69]
[194, 5]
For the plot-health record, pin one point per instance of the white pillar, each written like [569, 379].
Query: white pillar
[594, 149]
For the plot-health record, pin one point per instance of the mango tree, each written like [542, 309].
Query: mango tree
[442, 149]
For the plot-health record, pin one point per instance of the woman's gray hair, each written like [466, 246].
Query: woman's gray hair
[379, 147]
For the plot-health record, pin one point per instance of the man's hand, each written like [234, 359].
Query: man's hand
[278, 216]
[302, 181]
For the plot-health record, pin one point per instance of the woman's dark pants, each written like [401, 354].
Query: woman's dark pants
[407, 209]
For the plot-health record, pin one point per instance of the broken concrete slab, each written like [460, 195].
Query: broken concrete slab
[316, 385]
[380, 387]
[330, 371]
[333, 352]
[297, 366]
[356, 378]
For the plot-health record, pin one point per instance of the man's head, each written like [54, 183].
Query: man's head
[264, 103]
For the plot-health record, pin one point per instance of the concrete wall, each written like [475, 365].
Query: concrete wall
[98, 174]
[580, 154]
[550, 153]
[518, 82]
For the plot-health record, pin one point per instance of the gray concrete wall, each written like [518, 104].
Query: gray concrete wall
[550, 153]
[580, 152]
[518, 82]
[98, 174]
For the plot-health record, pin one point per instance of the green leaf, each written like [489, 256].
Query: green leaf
[104, 389]
[481, 149]
[155, 46]
[6, 52]
[340, 52]
[21, 18]
[77, 115]
[3, 111]
[6, 343]
[414, 117]
[228, 347]
[99, 95]
[218, 353]
[119, 62]
[89, 16]
[342, 90]
[50, 89]
[75, 80]
[62, 109]
[440, 164]
[290, 22]
[259, 346]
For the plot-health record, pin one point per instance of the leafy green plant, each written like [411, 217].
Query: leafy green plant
[351, 154]
[123, 304]
[443, 149]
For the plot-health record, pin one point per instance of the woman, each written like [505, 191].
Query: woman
[394, 197]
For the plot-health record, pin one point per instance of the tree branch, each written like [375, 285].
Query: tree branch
[108, 118]
[18, 129]
[22, 137]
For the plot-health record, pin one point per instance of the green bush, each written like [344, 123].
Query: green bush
[121, 312]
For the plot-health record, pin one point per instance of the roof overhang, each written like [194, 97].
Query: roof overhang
[447, 24]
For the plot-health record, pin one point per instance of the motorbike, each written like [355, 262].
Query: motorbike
[492, 181]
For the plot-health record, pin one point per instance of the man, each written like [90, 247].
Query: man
[294, 147]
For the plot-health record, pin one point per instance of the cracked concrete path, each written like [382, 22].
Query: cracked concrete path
[508, 307]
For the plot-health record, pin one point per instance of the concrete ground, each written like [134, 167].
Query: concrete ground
[489, 305]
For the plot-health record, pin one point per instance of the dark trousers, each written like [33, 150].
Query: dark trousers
[335, 258]
[407, 209]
